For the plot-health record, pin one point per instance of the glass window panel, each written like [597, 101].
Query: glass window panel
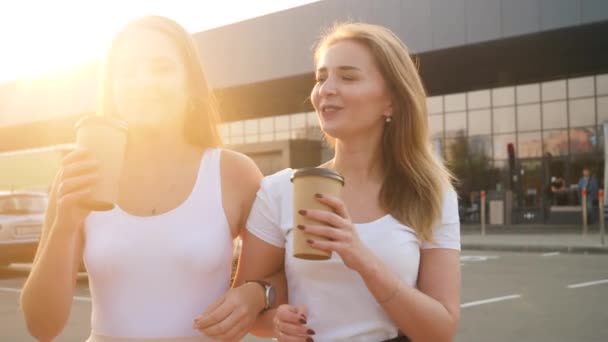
[251, 138]
[237, 128]
[479, 99]
[281, 135]
[480, 122]
[456, 147]
[456, 123]
[503, 96]
[500, 145]
[251, 127]
[266, 125]
[224, 130]
[281, 123]
[602, 109]
[582, 140]
[529, 93]
[266, 137]
[298, 121]
[582, 112]
[556, 142]
[237, 140]
[312, 120]
[555, 90]
[455, 102]
[480, 145]
[504, 120]
[528, 117]
[434, 104]
[600, 138]
[436, 125]
[602, 84]
[555, 115]
[529, 145]
[580, 87]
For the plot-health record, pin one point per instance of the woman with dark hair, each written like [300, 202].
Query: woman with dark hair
[163, 255]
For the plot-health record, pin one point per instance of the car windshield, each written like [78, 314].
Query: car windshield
[22, 204]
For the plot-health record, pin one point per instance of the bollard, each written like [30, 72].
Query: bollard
[584, 205]
[602, 218]
[483, 212]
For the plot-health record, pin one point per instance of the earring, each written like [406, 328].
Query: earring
[388, 119]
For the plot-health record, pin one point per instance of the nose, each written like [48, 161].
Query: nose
[328, 87]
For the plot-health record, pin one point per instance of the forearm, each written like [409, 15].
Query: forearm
[419, 316]
[47, 294]
[263, 326]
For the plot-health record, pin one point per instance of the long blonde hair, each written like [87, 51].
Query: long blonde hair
[415, 178]
[202, 118]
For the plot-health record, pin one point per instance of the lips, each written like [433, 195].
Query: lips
[329, 111]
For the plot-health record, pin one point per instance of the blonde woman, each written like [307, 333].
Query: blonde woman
[395, 272]
[163, 255]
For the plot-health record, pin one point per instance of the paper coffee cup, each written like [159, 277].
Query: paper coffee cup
[306, 183]
[106, 139]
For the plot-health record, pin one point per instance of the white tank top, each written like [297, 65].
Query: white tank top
[151, 276]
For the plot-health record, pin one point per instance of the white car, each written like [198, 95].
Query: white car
[21, 220]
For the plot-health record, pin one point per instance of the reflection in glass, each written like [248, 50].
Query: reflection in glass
[480, 122]
[555, 115]
[500, 145]
[582, 112]
[556, 142]
[456, 123]
[582, 140]
[555, 90]
[529, 93]
[480, 145]
[504, 120]
[580, 87]
[528, 117]
[529, 145]
[435, 125]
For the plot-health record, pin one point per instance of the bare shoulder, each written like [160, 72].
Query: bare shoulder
[240, 170]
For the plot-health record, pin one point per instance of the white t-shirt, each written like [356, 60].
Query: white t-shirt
[340, 307]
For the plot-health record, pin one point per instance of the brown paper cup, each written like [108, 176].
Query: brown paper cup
[106, 139]
[306, 183]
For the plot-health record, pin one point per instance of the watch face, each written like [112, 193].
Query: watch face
[271, 297]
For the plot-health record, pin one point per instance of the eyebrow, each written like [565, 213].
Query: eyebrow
[341, 68]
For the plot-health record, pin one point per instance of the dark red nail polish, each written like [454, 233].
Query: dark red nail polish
[318, 196]
[303, 321]
[309, 241]
[300, 227]
[310, 332]
[302, 212]
[310, 339]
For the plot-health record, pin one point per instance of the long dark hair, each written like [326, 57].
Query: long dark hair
[202, 117]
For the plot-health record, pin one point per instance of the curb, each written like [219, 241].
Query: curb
[535, 248]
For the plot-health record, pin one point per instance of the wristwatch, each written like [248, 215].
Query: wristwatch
[269, 293]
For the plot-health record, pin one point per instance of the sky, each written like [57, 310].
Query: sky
[39, 37]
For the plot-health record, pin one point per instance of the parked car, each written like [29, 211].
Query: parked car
[21, 220]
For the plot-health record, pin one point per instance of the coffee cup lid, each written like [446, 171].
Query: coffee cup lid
[318, 171]
[98, 119]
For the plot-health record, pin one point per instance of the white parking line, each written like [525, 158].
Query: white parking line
[550, 254]
[589, 283]
[18, 291]
[488, 301]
